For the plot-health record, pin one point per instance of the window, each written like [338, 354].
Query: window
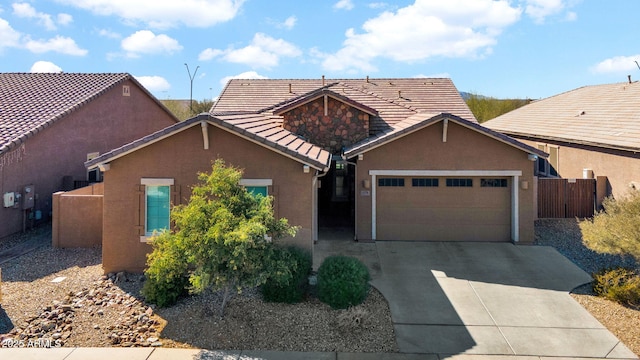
[493, 183]
[397, 182]
[257, 190]
[257, 186]
[424, 182]
[459, 182]
[548, 167]
[157, 197]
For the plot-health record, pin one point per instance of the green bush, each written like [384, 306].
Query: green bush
[288, 282]
[167, 274]
[342, 282]
[620, 285]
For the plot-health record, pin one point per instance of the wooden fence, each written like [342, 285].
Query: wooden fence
[566, 198]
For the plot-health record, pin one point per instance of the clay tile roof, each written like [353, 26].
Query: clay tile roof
[422, 120]
[260, 128]
[30, 102]
[393, 99]
[602, 115]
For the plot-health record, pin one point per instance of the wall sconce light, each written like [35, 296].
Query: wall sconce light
[366, 183]
[306, 169]
[524, 185]
[361, 157]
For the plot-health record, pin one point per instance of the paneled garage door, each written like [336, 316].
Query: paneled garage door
[443, 208]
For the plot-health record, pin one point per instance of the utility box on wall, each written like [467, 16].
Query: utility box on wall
[9, 199]
[28, 201]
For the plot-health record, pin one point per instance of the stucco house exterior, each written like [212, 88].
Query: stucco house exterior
[51, 124]
[376, 159]
[589, 132]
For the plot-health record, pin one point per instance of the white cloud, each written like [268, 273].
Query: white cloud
[8, 36]
[109, 34]
[64, 19]
[343, 5]
[460, 28]
[263, 52]
[164, 14]
[146, 42]
[60, 44]
[377, 5]
[209, 53]
[617, 64]
[289, 22]
[45, 67]
[539, 10]
[154, 83]
[25, 10]
[244, 75]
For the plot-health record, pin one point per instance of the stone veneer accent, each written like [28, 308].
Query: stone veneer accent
[343, 126]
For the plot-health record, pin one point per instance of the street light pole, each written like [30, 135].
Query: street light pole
[191, 79]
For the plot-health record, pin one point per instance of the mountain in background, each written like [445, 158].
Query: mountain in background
[486, 108]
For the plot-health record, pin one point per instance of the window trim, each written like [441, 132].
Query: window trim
[153, 182]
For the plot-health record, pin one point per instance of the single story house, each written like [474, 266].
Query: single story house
[51, 124]
[588, 132]
[377, 159]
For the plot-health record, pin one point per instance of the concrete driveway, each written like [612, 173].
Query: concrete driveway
[482, 299]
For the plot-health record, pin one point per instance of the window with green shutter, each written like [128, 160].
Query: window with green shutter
[158, 205]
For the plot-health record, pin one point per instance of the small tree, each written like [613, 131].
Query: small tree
[221, 235]
[616, 230]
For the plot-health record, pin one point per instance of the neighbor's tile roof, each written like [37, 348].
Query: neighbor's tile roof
[30, 102]
[422, 120]
[260, 128]
[601, 115]
[394, 100]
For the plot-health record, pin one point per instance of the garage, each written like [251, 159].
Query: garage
[453, 207]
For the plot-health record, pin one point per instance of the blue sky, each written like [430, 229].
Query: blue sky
[500, 48]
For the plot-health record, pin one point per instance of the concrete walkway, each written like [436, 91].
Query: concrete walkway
[460, 301]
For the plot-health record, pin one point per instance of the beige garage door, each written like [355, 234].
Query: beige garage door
[443, 209]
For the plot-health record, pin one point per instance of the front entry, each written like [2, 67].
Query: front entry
[336, 203]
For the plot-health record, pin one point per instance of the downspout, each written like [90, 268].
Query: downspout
[205, 134]
[314, 220]
[355, 200]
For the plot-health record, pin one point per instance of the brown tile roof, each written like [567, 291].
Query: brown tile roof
[422, 120]
[30, 102]
[262, 129]
[602, 115]
[393, 99]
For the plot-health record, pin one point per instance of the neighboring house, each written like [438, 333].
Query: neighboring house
[588, 132]
[376, 159]
[51, 124]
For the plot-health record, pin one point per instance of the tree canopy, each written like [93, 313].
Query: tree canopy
[221, 239]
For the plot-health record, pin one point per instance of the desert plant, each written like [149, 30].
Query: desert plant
[288, 280]
[616, 230]
[620, 285]
[342, 281]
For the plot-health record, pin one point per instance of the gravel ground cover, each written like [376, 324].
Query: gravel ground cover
[85, 308]
[564, 235]
[105, 311]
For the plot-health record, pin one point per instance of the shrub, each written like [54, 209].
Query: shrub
[167, 275]
[620, 285]
[342, 282]
[288, 281]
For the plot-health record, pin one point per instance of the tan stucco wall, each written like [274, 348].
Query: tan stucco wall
[61, 149]
[620, 168]
[77, 220]
[181, 157]
[464, 149]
